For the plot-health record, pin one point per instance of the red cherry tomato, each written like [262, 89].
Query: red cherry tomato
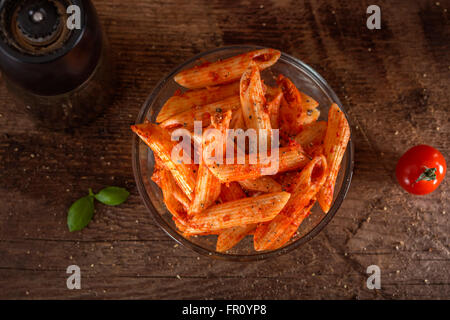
[421, 169]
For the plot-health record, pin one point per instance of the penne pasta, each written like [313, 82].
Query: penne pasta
[221, 122]
[263, 184]
[249, 188]
[207, 187]
[207, 190]
[168, 187]
[271, 92]
[253, 102]
[164, 176]
[239, 212]
[307, 102]
[202, 113]
[296, 110]
[182, 198]
[335, 143]
[309, 106]
[160, 142]
[290, 158]
[231, 191]
[272, 234]
[312, 134]
[158, 177]
[195, 98]
[179, 135]
[273, 107]
[237, 120]
[291, 112]
[311, 116]
[228, 238]
[224, 71]
[316, 150]
[292, 227]
[287, 180]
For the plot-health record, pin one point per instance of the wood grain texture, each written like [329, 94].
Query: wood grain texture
[394, 83]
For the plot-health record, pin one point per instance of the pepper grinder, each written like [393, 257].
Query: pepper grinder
[61, 75]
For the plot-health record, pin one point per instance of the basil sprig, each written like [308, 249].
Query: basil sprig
[112, 196]
[81, 211]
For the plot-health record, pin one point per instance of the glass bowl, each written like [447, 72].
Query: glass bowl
[308, 81]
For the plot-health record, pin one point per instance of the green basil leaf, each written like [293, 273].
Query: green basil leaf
[80, 213]
[112, 196]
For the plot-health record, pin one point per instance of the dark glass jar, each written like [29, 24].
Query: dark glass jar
[62, 76]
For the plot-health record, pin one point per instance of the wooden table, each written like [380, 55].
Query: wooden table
[394, 83]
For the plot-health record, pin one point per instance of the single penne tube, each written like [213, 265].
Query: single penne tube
[202, 113]
[177, 192]
[308, 103]
[169, 187]
[263, 184]
[178, 214]
[156, 175]
[311, 116]
[207, 190]
[231, 191]
[207, 187]
[221, 120]
[253, 102]
[291, 111]
[237, 120]
[271, 92]
[307, 185]
[228, 238]
[311, 134]
[334, 146]
[273, 106]
[225, 71]
[237, 123]
[315, 150]
[289, 158]
[287, 180]
[309, 106]
[160, 142]
[297, 109]
[194, 98]
[239, 212]
[160, 176]
[291, 226]
[182, 198]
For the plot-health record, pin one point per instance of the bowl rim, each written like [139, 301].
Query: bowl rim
[320, 81]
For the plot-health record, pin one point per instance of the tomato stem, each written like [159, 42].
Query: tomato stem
[428, 174]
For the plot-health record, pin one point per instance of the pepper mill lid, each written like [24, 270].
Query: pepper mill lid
[40, 53]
